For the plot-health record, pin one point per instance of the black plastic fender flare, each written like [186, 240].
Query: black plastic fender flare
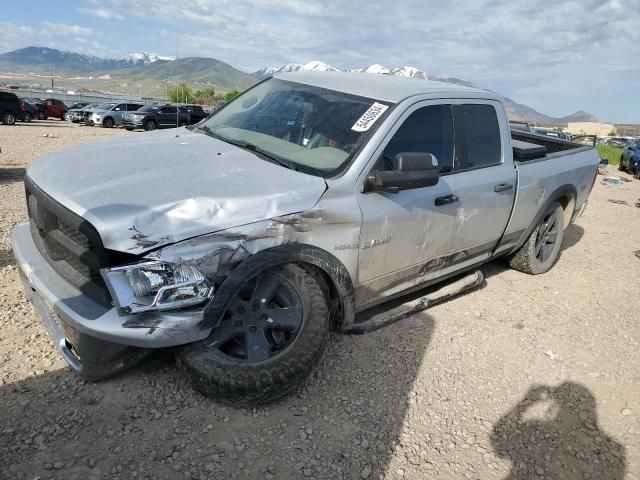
[558, 193]
[272, 257]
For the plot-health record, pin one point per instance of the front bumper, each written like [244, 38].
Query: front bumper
[133, 123]
[96, 341]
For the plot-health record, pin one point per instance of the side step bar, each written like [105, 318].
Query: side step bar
[445, 293]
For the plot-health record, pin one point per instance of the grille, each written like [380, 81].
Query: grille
[69, 243]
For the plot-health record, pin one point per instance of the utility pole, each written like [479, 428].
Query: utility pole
[51, 77]
[177, 108]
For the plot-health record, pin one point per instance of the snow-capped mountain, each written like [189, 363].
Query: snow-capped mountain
[143, 58]
[42, 58]
[412, 72]
[316, 65]
[375, 68]
[313, 66]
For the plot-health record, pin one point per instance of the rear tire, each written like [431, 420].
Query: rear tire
[65, 116]
[541, 250]
[270, 339]
[27, 117]
[183, 123]
[150, 125]
[9, 118]
[621, 167]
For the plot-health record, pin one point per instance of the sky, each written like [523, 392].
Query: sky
[555, 56]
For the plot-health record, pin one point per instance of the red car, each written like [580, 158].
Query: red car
[52, 108]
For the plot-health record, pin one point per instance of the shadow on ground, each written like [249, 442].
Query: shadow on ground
[11, 174]
[6, 258]
[554, 433]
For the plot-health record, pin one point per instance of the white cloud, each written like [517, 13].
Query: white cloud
[50, 34]
[104, 13]
[63, 29]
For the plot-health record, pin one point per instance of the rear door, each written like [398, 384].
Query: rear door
[167, 116]
[406, 236]
[488, 179]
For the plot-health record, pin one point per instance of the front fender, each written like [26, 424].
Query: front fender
[272, 257]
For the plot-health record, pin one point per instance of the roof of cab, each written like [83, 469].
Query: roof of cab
[384, 87]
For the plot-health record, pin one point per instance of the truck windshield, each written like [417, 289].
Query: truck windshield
[302, 126]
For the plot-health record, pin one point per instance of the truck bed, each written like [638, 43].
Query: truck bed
[567, 167]
[527, 146]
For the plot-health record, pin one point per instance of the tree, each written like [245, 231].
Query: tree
[231, 95]
[205, 96]
[181, 93]
[612, 133]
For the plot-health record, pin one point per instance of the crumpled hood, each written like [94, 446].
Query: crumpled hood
[144, 190]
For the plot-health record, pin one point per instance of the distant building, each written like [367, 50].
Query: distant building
[628, 130]
[591, 128]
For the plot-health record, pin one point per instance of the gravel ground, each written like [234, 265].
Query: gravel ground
[527, 377]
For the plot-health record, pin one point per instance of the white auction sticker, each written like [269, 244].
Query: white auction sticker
[369, 117]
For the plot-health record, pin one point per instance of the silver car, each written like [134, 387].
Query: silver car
[244, 240]
[110, 114]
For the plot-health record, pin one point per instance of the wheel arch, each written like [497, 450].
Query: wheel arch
[566, 196]
[331, 274]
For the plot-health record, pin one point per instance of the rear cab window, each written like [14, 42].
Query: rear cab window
[477, 132]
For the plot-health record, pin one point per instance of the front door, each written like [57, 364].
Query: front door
[406, 236]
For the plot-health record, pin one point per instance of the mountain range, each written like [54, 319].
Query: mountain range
[152, 71]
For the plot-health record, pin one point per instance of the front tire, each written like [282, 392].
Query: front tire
[541, 250]
[268, 342]
[150, 125]
[27, 117]
[107, 122]
[8, 118]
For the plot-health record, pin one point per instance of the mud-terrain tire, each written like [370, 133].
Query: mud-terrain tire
[540, 251]
[220, 366]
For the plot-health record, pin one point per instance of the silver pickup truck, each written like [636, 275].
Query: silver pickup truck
[246, 239]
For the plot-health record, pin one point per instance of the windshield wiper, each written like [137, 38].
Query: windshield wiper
[247, 146]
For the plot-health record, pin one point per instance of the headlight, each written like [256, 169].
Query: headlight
[147, 286]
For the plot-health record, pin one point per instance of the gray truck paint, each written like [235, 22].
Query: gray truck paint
[185, 197]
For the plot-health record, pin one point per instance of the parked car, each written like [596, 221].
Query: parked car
[151, 117]
[196, 113]
[244, 240]
[522, 126]
[51, 107]
[10, 109]
[110, 114]
[77, 115]
[630, 158]
[620, 142]
[29, 112]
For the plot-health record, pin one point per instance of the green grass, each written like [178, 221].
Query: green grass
[610, 153]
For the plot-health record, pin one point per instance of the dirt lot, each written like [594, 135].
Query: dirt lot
[533, 377]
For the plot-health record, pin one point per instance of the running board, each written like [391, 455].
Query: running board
[443, 294]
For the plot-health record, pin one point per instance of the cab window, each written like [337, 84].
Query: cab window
[427, 130]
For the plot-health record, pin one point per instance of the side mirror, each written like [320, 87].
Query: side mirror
[410, 170]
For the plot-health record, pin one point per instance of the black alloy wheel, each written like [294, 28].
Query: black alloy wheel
[262, 321]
